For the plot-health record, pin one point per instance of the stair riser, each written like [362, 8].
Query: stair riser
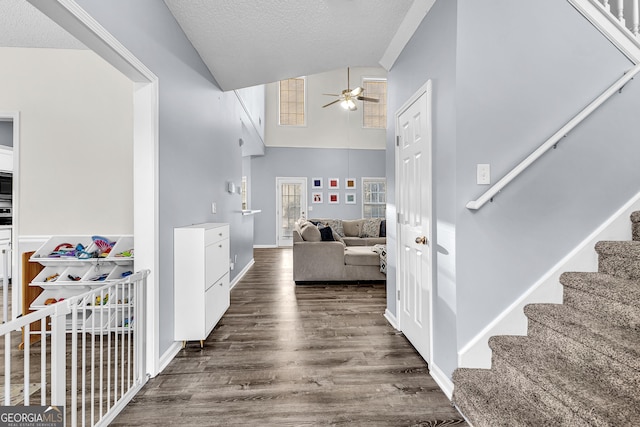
[530, 390]
[619, 266]
[607, 370]
[614, 312]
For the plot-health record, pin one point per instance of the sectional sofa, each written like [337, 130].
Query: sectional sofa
[333, 250]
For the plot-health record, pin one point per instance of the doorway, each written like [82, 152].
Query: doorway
[415, 227]
[291, 204]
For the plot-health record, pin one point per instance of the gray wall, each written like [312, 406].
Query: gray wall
[6, 133]
[309, 163]
[510, 76]
[199, 131]
[431, 54]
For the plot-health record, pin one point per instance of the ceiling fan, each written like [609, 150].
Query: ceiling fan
[348, 97]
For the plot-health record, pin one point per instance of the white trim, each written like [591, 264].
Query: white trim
[240, 275]
[71, 17]
[265, 246]
[169, 355]
[512, 321]
[391, 319]
[412, 20]
[610, 27]
[446, 385]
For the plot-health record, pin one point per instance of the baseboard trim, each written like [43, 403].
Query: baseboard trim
[512, 321]
[391, 319]
[168, 356]
[265, 246]
[441, 379]
[240, 275]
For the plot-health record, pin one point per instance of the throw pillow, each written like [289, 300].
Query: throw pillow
[326, 234]
[351, 227]
[337, 238]
[370, 227]
[383, 228]
[336, 225]
[310, 233]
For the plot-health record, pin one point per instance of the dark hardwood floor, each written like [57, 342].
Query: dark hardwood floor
[287, 355]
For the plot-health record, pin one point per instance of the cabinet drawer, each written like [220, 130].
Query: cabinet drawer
[216, 261]
[216, 302]
[213, 235]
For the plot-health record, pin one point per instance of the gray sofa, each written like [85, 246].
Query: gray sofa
[350, 256]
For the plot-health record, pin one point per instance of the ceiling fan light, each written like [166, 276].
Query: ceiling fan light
[352, 105]
[345, 104]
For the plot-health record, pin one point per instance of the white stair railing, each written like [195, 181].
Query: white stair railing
[91, 349]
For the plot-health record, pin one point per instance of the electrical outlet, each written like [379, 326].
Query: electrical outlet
[214, 208]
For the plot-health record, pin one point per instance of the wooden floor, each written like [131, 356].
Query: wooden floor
[287, 355]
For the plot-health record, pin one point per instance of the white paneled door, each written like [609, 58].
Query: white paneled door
[291, 204]
[413, 190]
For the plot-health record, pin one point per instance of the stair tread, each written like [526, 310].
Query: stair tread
[627, 248]
[570, 383]
[617, 342]
[625, 291]
[480, 390]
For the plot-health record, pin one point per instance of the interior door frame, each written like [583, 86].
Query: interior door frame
[304, 203]
[427, 90]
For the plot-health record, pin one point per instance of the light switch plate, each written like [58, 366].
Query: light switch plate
[483, 172]
[214, 208]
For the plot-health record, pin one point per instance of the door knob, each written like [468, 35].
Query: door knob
[422, 240]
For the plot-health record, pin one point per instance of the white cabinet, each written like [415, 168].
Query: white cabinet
[201, 279]
[74, 265]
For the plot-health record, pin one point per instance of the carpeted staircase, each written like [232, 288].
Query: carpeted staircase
[579, 365]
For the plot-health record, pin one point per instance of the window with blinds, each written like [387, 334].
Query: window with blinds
[374, 197]
[292, 100]
[375, 113]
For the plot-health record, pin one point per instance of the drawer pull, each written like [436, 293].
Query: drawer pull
[219, 246]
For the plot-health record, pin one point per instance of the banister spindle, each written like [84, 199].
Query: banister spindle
[621, 12]
[635, 11]
[606, 5]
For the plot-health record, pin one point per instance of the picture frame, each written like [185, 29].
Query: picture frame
[334, 183]
[316, 198]
[350, 183]
[350, 198]
[334, 198]
[316, 182]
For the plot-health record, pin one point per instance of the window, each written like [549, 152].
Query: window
[375, 113]
[292, 102]
[374, 197]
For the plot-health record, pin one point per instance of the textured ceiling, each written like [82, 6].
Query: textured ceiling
[250, 42]
[22, 25]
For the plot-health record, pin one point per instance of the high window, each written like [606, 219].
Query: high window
[375, 113]
[292, 102]
[374, 197]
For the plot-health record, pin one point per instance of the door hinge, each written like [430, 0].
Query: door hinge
[398, 294]
[397, 140]
[398, 217]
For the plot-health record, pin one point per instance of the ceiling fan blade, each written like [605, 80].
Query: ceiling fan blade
[331, 103]
[364, 98]
[357, 91]
[331, 94]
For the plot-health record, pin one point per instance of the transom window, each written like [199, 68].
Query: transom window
[374, 197]
[375, 113]
[292, 102]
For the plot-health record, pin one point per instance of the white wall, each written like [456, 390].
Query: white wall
[75, 141]
[330, 127]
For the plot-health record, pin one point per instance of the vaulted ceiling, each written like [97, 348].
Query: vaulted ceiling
[248, 42]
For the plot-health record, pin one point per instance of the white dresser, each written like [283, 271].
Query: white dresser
[201, 279]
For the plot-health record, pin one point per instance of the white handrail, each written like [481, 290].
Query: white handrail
[498, 186]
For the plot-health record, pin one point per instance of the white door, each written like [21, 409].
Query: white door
[291, 204]
[413, 190]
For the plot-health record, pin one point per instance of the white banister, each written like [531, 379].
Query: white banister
[635, 12]
[607, 5]
[498, 186]
[621, 12]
